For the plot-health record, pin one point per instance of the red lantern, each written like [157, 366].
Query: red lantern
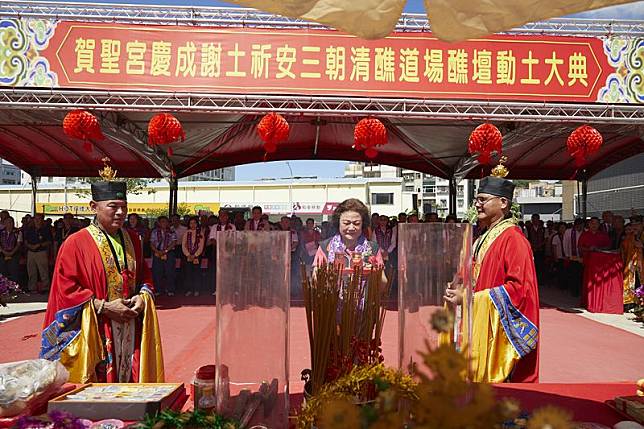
[368, 134]
[165, 129]
[582, 142]
[272, 129]
[82, 125]
[484, 139]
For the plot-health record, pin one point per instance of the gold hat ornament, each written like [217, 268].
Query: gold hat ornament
[107, 173]
[501, 170]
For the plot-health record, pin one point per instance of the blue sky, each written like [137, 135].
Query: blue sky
[328, 169]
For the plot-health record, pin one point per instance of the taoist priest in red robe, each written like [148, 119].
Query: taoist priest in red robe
[101, 322]
[505, 308]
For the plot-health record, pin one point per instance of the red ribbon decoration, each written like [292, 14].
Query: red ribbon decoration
[164, 129]
[82, 125]
[485, 139]
[582, 142]
[272, 129]
[368, 134]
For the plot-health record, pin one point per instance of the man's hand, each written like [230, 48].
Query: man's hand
[137, 304]
[119, 310]
[454, 295]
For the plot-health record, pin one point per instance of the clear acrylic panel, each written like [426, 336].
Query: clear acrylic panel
[251, 356]
[431, 256]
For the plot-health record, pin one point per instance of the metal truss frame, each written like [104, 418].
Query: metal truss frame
[230, 16]
[321, 106]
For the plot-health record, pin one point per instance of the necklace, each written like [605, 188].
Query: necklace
[192, 247]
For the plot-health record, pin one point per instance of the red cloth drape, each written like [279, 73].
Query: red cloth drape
[603, 283]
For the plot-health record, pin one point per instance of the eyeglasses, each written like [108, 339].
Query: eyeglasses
[481, 201]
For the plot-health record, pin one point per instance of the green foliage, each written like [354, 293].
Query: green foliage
[182, 209]
[515, 211]
[135, 186]
[169, 419]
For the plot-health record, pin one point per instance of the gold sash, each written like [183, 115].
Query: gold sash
[114, 277]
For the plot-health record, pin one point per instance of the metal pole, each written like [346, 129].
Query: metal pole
[34, 192]
[172, 206]
[584, 198]
[290, 189]
[452, 196]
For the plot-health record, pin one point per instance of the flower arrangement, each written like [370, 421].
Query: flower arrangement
[8, 290]
[442, 398]
[54, 420]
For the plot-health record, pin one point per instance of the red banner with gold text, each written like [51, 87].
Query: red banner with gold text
[409, 65]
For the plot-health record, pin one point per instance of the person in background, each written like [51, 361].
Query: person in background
[451, 219]
[594, 238]
[402, 217]
[180, 259]
[310, 239]
[607, 222]
[559, 258]
[572, 255]
[38, 240]
[432, 217]
[326, 230]
[412, 218]
[10, 242]
[296, 287]
[67, 228]
[633, 257]
[617, 233]
[537, 239]
[193, 246]
[4, 214]
[384, 236]
[239, 221]
[222, 225]
[163, 241]
[255, 222]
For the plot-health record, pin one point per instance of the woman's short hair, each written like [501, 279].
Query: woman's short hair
[351, 205]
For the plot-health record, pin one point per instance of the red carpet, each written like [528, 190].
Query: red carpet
[573, 349]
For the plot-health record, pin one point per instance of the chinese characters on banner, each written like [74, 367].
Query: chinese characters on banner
[412, 65]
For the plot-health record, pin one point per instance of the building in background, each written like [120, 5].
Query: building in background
[316, 198]
[9, 173]
[544, 198]
[619, 188]
[429, 194]
[221, 174]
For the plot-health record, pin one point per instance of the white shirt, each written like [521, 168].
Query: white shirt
[567, 248]
[557, 246]
[179, 231]
[219, 227]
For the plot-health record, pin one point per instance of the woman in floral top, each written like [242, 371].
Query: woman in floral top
[349, 244]
[193, 244]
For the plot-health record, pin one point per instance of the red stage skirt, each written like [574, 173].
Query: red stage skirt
[603, 290]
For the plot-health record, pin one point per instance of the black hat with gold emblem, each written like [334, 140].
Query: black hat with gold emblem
[108, 188]
[496, 183]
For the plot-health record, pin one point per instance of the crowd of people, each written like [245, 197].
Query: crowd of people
[559, 248]
[182, 249]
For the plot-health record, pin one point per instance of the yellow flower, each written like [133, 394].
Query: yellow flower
[442, 320]
[550, 417]
[509, 409]
[339, 414]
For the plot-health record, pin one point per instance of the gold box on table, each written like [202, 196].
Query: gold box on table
[124, 401]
